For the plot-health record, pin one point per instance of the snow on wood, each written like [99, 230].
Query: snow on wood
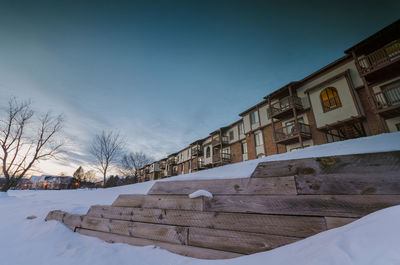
[200, 193]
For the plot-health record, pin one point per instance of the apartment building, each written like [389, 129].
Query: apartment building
[357, 95]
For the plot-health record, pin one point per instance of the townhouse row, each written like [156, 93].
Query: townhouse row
[357, 95]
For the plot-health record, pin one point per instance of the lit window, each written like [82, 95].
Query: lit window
[330, 99]
[254, 117]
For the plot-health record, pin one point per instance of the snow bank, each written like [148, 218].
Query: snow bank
[200, 193]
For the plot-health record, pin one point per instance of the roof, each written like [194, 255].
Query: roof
[379, 38]
[253, 107]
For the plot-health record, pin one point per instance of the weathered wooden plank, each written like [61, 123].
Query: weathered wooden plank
[159, 201]
[190, 251]
[334, 222]
[297, 226]
[242, 186]
[241, 242]
[56, 215]
[384, 183]
[372, 164]
[166, 233]
[313, 205]
[72, 220]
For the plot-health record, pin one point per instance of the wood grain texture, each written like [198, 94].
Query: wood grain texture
[334, 222]
[241, 242]
[159, 201]
[297, 226]
[371, 164]
[56, 215]
[166, 233]
[190, 251]
[384, 183]
[243, 186]
[312, 205]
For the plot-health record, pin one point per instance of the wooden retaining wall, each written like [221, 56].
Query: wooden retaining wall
[282, 202]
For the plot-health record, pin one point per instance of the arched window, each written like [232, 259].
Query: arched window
[208, 152]
[330, 99]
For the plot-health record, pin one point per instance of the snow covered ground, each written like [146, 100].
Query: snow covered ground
[374, 239]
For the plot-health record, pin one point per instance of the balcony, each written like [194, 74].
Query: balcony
[197, 150]
[198, 165]
[162, 165]
[284, 108]
[222, 158]
[172, 161]
[388, 102]
[217, 140]
[290, 134]
[385, 56]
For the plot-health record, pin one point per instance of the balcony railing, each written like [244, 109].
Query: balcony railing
[197, 150]
[222, 158]
[196, 165]
[172, 161]
[284, 105]
[388, 97]
[292, 131]
[380, 57]
[217, 140]
[162, 165]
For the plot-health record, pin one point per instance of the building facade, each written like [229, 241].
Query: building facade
[357, 95]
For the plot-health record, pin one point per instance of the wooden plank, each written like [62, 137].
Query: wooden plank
[334, 222]
[159, 201]
[190, 251]
[297, 226]
[384, 183]
[242, 186]
[56, 215]
[165, 233]
[241, 242]
[312, 205]
[72, 220]
[372, 164]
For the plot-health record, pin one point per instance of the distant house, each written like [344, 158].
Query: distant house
[50, 182]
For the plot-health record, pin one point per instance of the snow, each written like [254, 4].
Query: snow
[374, 239]
[200, 193]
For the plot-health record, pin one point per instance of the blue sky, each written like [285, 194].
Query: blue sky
[165, 73]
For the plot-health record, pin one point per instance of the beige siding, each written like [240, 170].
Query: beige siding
[246, 122]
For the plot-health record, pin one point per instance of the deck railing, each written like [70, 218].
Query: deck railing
[285, 104]
[223, 157]
[388, 97]
[292, 130]
[217, 140]
[380, 57]
[197, 150]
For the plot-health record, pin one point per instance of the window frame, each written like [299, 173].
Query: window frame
[336, 98]
[254, 117]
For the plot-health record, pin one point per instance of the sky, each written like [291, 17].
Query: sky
[166, 73]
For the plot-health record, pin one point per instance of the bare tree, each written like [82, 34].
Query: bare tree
[106, 149]
[132, 162]
[79, 174]
[22, 148]
[90, 176]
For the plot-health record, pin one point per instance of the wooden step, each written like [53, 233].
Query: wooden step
[241, 242]
[387, 183]
[372, 165]
[190, 251]
[160, 202]
[242, 186]
[158, 232]
[309, 205]
[296, 226]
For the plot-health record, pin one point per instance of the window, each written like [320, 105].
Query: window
[258, 138]
[254, 117]
[208, 152]
[244, 147]
[241, 128]
[330, 99]
[398, 126]
[231, 136]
